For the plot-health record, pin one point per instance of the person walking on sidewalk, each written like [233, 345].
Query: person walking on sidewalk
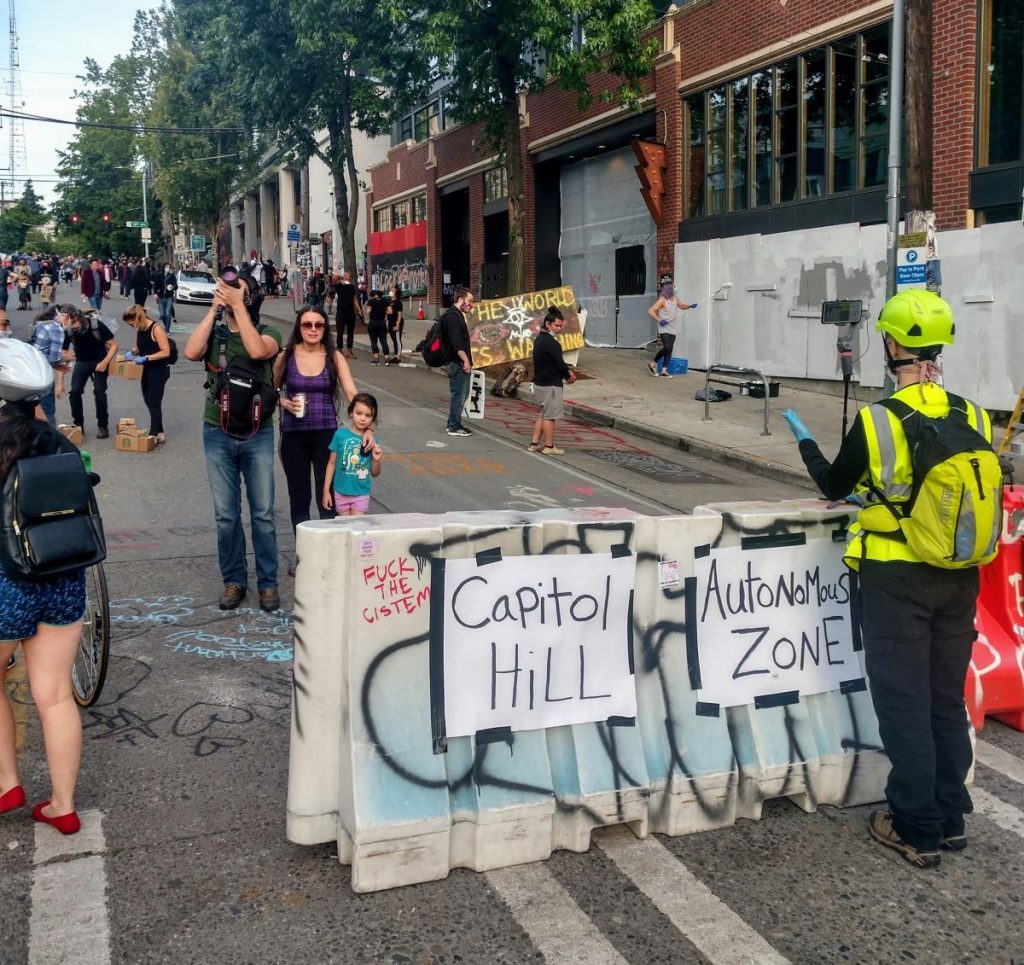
[916, 619]
[94, 349]
[231, 460]
[549, 374]
[94, 286]
[153, 352]
[455, 335]
[349, 308]
[165, 285]
[667, 311]
[396, 325]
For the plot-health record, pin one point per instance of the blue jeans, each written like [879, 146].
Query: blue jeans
[48, 403]
[229, 462]
[458, 383]
[166, 306]
[96, 301]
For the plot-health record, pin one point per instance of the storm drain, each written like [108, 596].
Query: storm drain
[653, 466]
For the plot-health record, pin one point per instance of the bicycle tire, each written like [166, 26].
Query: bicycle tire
[90, 667]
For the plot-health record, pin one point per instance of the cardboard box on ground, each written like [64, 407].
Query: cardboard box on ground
[121, 369]
[130, 438]
[73, 433]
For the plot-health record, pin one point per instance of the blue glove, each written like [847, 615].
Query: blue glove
[140, 359]
[796, 426]
[694, 305]
[129, 355]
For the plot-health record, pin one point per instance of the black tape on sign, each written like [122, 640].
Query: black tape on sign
[773, 541]
[858, 642]
[699, 552]
[488, 556]
[629, 636]
[853, 686]
[494, 735]
[621, 722]
[620, 550]
[437, 722]
[692, 653]
[708, 710]
[777, 700]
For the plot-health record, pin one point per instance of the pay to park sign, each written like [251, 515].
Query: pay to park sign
[773, 624]
[529, 642]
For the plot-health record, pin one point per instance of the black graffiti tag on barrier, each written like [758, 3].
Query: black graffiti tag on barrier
[653, 642]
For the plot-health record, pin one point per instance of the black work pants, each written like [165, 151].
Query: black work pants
[378, 336]
[346, 330]
[154, 381]
[917, 625]
[303, 452]
[80, 375]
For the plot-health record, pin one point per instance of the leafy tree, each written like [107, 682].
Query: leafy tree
[492, 53]
[98, 170]
[301, 67]
[195, 173]
[19, 219]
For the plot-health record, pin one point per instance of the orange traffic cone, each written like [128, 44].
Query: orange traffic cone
[420, 314]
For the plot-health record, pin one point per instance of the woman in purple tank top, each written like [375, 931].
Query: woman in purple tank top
[310, 372]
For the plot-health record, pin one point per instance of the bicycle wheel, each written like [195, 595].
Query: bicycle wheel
[90, 668]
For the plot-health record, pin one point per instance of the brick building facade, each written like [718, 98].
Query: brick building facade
[732, 84]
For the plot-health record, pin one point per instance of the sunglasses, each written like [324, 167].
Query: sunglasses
[312, 326]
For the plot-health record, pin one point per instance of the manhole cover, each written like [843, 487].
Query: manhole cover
[653, 466]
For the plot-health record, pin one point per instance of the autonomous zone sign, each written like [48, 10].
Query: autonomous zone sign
[771, 623]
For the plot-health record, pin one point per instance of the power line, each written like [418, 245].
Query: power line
[134, 128]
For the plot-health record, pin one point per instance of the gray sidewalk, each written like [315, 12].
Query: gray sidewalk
[618, 391]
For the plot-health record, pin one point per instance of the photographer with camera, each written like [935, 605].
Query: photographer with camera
[238, 436]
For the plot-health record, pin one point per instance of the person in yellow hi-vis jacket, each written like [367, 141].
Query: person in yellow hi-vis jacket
[922, 467]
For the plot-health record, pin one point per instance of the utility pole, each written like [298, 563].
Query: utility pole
[892, 191]
[145, 212]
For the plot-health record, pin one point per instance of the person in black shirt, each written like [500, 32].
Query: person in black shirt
[549, 373]
[94, 349]
[349, 308]
[455, 335]
[396, 325]
[377, 325]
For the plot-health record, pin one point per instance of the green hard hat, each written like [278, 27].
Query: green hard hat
[917, 319]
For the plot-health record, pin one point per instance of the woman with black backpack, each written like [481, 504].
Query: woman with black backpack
[42, 614]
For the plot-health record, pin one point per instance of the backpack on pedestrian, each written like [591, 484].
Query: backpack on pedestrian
[93, 319]
[954, 516]
[433, 347]
[244, 400]
[49, 520]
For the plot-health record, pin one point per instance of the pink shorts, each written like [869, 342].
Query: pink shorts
[355, 504]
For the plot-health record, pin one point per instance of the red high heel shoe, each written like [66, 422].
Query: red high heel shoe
[65, 823]
[14, 798]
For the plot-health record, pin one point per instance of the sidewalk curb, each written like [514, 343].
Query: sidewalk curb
[695, 447]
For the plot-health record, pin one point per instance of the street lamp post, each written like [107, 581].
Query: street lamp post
[145, 212]
[892, 191]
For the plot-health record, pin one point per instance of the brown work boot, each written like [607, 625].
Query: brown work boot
[881, 828]
[270, 600]
[233, 595]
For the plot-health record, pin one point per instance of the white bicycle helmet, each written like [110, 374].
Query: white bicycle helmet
[25, 373]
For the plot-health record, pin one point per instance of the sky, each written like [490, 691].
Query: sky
[54, 38]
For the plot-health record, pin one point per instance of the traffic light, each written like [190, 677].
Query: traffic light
[75, 221]
[651, 171]
[105, 217]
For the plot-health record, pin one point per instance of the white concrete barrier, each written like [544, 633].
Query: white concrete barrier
[386, 661]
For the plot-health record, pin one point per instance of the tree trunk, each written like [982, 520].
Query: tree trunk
[350, 210]
[514, 170]
[919, 105]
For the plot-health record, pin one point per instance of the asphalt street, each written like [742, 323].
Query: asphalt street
[183, 855]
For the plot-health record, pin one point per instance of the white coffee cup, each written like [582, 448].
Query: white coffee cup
[300, 401]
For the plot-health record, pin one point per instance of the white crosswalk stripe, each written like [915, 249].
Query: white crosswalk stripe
[1006, 816]
[716, 930]
[999, 760]
[548, 914]
[69, 896]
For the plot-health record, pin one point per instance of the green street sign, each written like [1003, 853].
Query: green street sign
[198, 243]
[136, 224]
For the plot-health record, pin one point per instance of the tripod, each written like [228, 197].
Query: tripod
[844, 345]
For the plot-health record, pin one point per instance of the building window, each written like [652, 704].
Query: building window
[495, 184]
[382, 219]
[427, 121]
[807, 127]
[630, 271]
[401, 212]
[1001, 104]
[419, 208]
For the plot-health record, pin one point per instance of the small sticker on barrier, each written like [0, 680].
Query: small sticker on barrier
[368, 549]
[668, 573]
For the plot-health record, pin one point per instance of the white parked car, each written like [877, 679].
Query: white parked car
[195, 286]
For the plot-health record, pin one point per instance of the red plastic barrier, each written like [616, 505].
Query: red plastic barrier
[995, 680]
